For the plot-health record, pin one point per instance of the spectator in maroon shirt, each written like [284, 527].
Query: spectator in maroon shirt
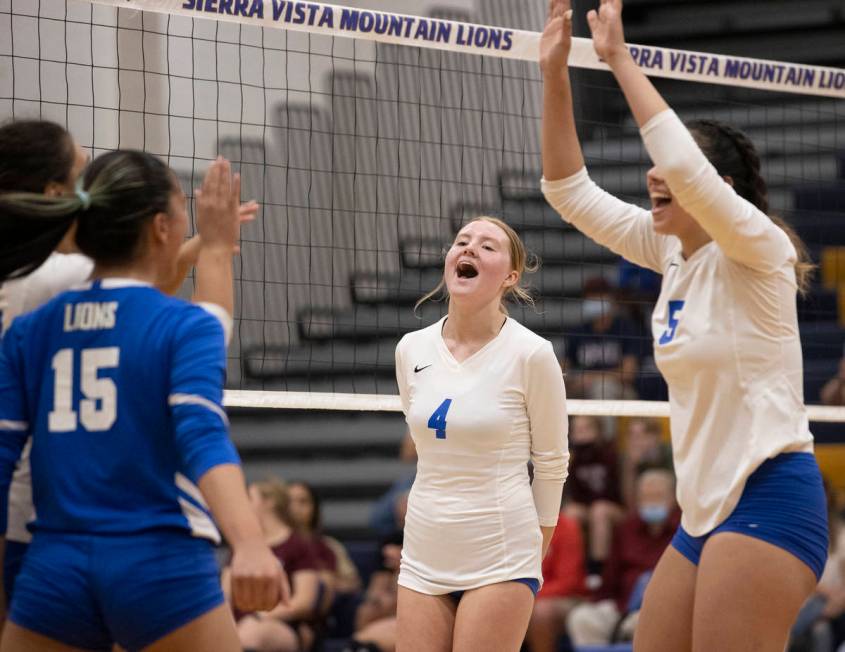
[338, 574]
[287, 628]
[593, 488]
[563, 586]
[638, 543]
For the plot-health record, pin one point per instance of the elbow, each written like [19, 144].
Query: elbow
[551, 466]
[566, 195]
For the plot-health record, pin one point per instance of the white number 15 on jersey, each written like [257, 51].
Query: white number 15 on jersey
[63, 418]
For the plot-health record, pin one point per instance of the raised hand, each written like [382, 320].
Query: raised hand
[606, 28]
[218, 206]
[556, 41]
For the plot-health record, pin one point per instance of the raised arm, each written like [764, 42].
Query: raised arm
[217, 224]
[562, 156]
[743, 232]
[622, 227]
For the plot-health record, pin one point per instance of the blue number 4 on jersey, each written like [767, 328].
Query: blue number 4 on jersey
[437, 421]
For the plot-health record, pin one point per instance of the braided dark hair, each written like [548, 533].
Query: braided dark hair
[733, 155]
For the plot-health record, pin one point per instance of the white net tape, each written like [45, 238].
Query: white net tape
[390, 403]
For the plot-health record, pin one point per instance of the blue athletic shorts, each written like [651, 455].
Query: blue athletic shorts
[783, 504]
[92, 591]
[531, 582]
[12, 560]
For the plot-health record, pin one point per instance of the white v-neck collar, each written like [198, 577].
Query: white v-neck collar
[447, 354]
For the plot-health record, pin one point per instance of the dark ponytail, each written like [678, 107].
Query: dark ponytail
[33, 154]
[119, 193]
[733, 155]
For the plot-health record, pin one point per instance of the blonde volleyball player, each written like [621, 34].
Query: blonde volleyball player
[482, 396]
[753, 536]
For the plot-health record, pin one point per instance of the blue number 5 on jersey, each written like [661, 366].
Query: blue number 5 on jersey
[437, 421]
[669, 333]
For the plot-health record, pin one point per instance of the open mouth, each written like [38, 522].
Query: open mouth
[466, 269]
[659, 201]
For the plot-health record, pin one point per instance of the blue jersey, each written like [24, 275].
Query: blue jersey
[121, 389]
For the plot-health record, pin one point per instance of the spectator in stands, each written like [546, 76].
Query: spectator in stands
[337, 572]
[833, 392]
[644, 449]
[638, 283]
[380, 596]
[563, 586]
[593, 488]
[288, 627]
[602, 358]
[638, 543]
[375, 622]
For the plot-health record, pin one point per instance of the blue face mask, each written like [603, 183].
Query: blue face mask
[654, 514]
[592, 309]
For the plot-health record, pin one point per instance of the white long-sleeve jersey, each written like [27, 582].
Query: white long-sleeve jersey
[725, 325]
[471, 517]
[59, 272]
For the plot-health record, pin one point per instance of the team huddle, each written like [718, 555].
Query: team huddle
[114, 446]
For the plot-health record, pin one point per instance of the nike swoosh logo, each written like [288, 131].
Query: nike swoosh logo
[419, 369]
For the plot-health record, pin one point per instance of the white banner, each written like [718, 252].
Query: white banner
[452, 36]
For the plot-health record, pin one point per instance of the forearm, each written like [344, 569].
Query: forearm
[296, 609]
[548, 533]
[547, 497]
[304, 596]
[215, 282]
[187, 258]
[562, 156]
[642, 97]
[224, 489]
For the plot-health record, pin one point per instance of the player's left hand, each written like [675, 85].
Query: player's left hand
[607, 31]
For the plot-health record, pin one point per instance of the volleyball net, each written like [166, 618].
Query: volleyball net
[369, 137]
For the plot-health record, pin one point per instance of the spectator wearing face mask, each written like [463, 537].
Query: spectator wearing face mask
[638, 543]
[603, 356]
